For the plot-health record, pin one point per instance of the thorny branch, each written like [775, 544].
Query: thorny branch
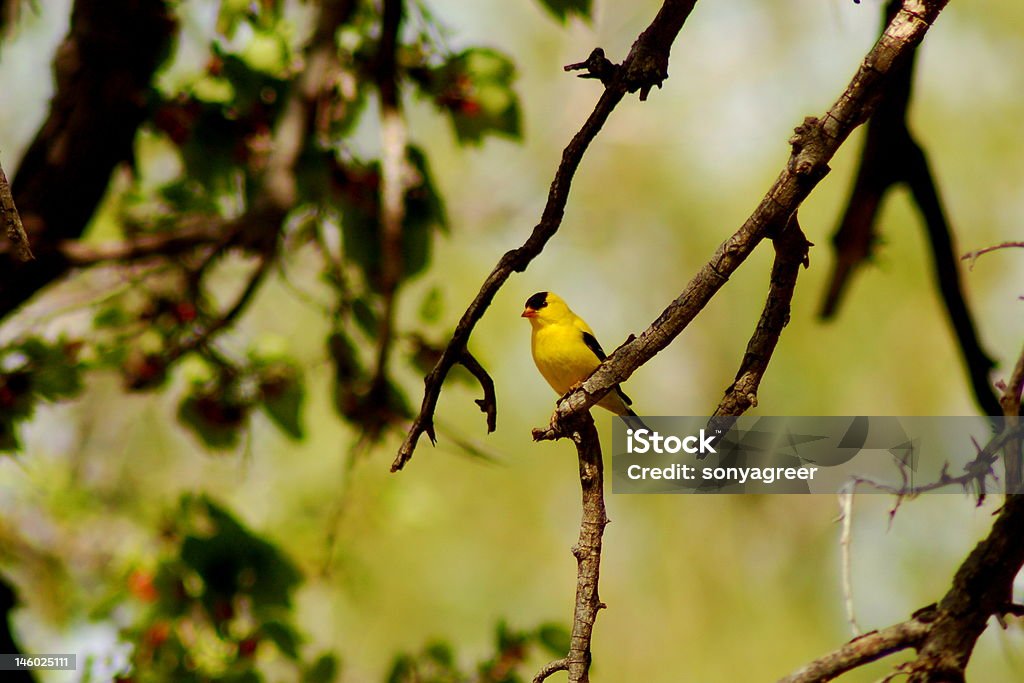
[976, 473]
[814, 144]
[644, 66]
[892, 156]
[587, 551]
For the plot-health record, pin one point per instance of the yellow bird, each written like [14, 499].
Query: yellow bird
[565, 349]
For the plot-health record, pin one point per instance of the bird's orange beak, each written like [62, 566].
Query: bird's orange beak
[529, 313]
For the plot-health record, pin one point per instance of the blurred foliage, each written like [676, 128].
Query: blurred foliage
[32, 371]
[218, 595]
[442, 552]
[564, 8]
[437, 663]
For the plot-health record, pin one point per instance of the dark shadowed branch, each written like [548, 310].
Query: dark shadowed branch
[587, 551]
[791, 252]
[814, 144]
[11, 219]
[99, 104]
[644, 66]
[891, 156]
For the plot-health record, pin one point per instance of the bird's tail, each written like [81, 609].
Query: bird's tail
[632, 420]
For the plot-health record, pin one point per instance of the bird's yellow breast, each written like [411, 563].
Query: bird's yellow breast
[561, 355]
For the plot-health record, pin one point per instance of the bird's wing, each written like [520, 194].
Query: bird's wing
[591, 341]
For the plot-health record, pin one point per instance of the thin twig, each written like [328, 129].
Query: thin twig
[861, 650]
[587, 550]
[972, 256]
[222, 321]
[845, 542]
[489, 403]
[645, 66]
[814, 144]
[550, 668]
[976, 472]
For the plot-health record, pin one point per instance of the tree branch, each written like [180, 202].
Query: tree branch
[393, 183]
[944, 634]
[860, 651]
[192, 234]
[103, 71]
[639, 67]
[1013, 455]
[489, 403]
[981, 588]
[550, 668]
[814, 144]
[891, 156]
[587, 551]
[12, 220]
[791, 247]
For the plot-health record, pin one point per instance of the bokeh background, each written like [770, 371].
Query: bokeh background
[707, 589]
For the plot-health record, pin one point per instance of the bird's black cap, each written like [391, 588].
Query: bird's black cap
[537, 301]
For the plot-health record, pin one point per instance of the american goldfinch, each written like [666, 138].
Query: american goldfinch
[565, 349]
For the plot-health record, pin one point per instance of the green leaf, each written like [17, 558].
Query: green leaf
[9, 435]
[424, 212]
[563, 8]
[283, 636]
[365, 316]
[475, 88]
[215, 418]
[283, 393]
[403, 670]
[112, 316]
[55, 374]
[432, 305]
[323, 670]
[440, 653]
[555, 638]
[231, 561]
